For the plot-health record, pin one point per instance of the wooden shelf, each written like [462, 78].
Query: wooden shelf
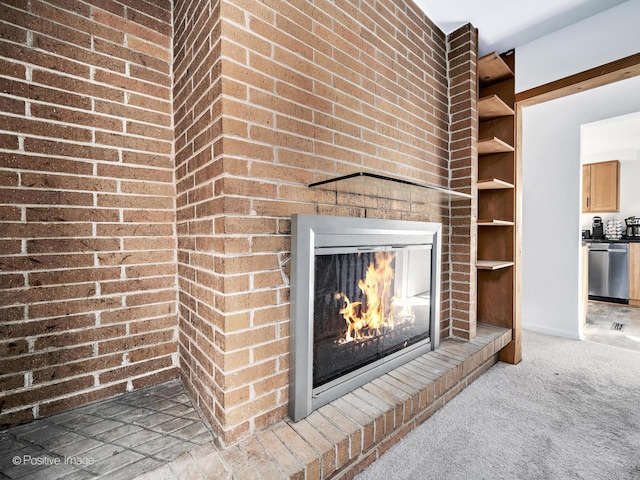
[492, 264]
[488, 146]
[492, 106]
[492, 68]
[498, 280]
[494, 223]
[493, 184]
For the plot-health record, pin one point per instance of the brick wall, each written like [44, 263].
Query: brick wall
[268, 97]
[265, 98]
[197, 105]
[87, 244]
[463, 89]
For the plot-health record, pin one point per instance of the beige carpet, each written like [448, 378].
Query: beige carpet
[569, 410]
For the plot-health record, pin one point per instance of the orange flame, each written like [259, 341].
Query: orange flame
[376, 287]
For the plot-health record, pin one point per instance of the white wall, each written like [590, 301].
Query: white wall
[551, 267]
[603, 38]
[629, 188]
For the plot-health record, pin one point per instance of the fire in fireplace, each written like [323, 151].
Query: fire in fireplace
[364, 310]
[365, 299]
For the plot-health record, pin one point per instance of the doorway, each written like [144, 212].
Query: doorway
[551, 188]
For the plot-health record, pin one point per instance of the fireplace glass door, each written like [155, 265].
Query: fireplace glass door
[368, 304]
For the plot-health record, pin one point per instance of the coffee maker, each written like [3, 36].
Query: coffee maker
[597, 228]
[633, 227]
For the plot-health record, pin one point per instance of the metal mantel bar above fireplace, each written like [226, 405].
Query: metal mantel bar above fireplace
[365, 299]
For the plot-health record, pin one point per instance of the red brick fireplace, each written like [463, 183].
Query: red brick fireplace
[153, 156]
[271, 98]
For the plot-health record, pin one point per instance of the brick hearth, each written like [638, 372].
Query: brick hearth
[340, 439]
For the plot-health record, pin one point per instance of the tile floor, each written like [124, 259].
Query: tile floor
[602, 316]
[119, 438]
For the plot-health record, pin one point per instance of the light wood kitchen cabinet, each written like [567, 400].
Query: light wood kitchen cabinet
[634, 274]
[601, 187]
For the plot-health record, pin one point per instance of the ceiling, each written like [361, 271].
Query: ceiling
[506, 24]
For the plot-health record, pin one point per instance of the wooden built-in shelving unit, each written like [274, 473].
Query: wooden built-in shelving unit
[497, 186]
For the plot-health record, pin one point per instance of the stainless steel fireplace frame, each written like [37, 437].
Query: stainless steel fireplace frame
[316, 231]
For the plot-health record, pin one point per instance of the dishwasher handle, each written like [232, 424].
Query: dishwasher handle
[618, 248]
[609, 247]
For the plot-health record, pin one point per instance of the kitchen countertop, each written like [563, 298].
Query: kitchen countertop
[604, 240]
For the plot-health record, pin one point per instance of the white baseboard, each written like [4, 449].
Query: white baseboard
[552, 331]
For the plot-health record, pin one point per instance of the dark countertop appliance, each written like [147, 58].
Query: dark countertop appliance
[597, 228]
[633, 227]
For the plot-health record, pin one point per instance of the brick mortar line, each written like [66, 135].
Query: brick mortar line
[103, 283]
[90, 143]
[97, 162]
[120, 295]
[91, 112]
[46, 383]
[79, 313]
[83, 329]
[73, 92]
[88, 80]
[87, 252]
[103, 193]
[80, 126]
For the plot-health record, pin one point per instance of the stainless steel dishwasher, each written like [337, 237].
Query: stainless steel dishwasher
[609, 271]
